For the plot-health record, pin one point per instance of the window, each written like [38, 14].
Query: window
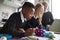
[56, 9]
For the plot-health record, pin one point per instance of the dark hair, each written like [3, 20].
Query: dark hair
[28, 4]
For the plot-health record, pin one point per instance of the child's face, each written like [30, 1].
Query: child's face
[39, 11]
[28, 12]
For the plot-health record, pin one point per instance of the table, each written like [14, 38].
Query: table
[57, 37]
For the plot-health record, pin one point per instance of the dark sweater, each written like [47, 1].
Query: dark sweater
[47, 19]
[12, 25]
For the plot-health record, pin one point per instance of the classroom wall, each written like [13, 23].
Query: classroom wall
[56, 25]
[6, 9]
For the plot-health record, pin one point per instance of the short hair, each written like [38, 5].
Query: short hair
[28, 4]
[45, 2]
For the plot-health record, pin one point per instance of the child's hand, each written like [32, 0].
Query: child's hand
[21, 30]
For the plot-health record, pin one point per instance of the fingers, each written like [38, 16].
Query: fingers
[21, 30]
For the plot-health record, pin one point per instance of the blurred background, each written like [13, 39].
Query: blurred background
[7, 7]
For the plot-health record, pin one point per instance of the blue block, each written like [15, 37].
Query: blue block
[6, 35]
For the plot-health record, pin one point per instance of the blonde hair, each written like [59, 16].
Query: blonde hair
[41, 13]
[45, 2]
[39, 5]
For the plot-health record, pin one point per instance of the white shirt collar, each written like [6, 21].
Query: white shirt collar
[22, 17]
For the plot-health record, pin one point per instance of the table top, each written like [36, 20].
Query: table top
[57, 37]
